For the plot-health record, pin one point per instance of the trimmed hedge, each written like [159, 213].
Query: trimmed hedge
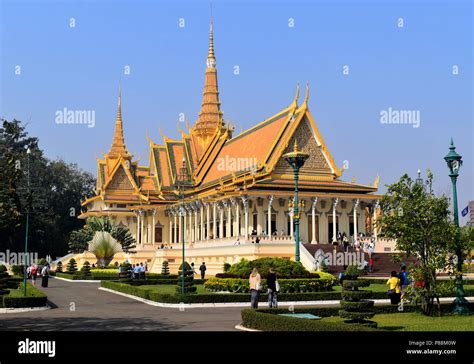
[300, 285]
[254, 319]
[113, 276]
[34, 297]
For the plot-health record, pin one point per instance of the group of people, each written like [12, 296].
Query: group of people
[202, 269]
[34, 270]
[273, 287]
[397, 284]
[137, 271]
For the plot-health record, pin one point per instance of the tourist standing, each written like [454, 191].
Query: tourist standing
[45, 275]
[371, 264]
[254, 283]
[193, 270]
[394, 288]
[345, 242]
[203, 269]
[273, 288]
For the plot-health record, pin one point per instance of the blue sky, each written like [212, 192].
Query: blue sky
[403, 68]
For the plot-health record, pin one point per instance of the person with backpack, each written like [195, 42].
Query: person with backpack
[404, 280]
[34, 273]
[273, 288]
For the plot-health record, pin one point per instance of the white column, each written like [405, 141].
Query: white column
[201, 232]
[171, 228]
[356, 204]
[190, 232]
[180, 229]
[221, 221]
[334, 232]
[185, 226]
[208, 220]
[196, 236]
[237, 218]
[245, 201]
[142, 227]
[175, 233]
[138, 228]
[313, 222]
[229, 220]
[214, 220]
[269, 230]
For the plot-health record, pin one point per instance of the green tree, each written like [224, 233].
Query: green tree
[71, 266]
[189, 286]
[59, 267]
[86, 269]
[420, 222]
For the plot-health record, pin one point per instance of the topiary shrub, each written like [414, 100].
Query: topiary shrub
[188, 279]
[165, 268]
[71, 266]
[226, 267]
[16, 269]
[86, 269]
[285, 268]
[59, 267]
[355, 309]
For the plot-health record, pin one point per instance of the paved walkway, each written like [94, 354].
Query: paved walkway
[83, 307]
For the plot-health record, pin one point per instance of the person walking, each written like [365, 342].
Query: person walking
[273, 288]
[404, 280]
[45, 275]
[203, 269]
[34, 273]
[254, 284]
[394, 288]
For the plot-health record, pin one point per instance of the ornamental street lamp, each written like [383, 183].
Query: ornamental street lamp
[182, 180]
[454, 161]
[296, 159]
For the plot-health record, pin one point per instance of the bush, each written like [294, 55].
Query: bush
[324, 282]
[285, 268]
[165, 268]
[34, 297]
[186, 271]
[16, 269]
[353, 309]
[255, 319]
[226, 267]
[59, 267]
[2, 268]
[86, 270]
[71, 266]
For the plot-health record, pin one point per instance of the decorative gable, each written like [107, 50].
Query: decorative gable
[120, 181]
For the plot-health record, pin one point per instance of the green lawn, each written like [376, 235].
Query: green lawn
[418, 322]
[171, 288]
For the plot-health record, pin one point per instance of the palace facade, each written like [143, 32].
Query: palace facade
[229, 187]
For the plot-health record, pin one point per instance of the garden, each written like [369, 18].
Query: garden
[12, 292]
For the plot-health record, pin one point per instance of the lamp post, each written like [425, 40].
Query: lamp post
[183, 178]
[454, 161]
[28, 199]
[296, 159]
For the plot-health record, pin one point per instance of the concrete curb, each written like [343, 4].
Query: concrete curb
[23, 309]
[243, 328]
[76, 280]
[245, 304]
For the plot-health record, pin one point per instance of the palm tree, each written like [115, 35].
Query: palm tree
[104, 246]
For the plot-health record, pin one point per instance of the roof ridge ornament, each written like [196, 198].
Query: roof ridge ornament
[294, 104]
[306, 97]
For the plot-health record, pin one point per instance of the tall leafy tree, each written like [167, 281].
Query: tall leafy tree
[421, 224]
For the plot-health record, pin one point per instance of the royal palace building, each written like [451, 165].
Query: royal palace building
[220, 190]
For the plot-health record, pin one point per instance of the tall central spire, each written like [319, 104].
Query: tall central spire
[210, 115]
[118, 147]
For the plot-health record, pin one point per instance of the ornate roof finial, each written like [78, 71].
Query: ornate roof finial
[211, 57]
[294, 104]
[295, 146]
[306, 97]
[118, 144]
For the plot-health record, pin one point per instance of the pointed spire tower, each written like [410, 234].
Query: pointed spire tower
[210, 116]
[118, 147]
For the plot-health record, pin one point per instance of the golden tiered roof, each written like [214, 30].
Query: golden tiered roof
[209, 142]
